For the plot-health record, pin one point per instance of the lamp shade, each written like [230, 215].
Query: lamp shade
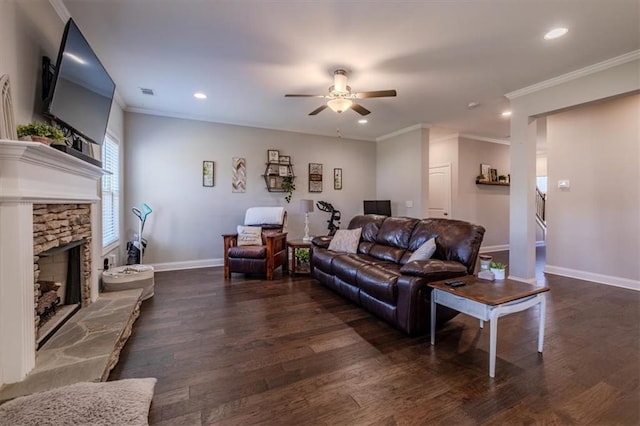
[306, 206]
[339, 104]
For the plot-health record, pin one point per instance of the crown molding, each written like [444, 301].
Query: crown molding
[485, 139]
[402, 131]
[60, 9]
[119, 100]
[583, 72]
[451, 137]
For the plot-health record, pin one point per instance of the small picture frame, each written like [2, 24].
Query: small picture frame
[285, 159]
[485, 170]
[283, 171]
[207, 173]
[337, 179]
[494, 175]
[273, 155]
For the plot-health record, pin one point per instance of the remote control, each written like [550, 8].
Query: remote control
[454, 283]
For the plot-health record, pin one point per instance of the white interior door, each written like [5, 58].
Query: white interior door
[440, 191]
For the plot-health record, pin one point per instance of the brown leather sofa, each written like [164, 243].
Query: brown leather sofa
[379, 277]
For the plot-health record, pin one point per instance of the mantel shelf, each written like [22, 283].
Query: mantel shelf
[478, 182]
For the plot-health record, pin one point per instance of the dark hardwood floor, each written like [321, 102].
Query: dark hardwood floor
[290, 351]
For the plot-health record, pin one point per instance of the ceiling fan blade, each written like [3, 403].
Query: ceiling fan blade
[360, 109]
[376, 94]
[303, 96]
[319, 109]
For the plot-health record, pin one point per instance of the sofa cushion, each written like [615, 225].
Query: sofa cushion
[434, 269]
[425, 251]
[396, 231]
[249, 235]
[345, 240]
[370, 224]
[248, 252]
[379, 282]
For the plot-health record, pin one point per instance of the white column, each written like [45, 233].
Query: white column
[522, 202]
[17, 328]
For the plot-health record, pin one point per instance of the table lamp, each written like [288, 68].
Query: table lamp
[306, 207]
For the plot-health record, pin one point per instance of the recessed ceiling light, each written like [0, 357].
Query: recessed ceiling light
[199, 95]
[473, 104]
[555, 33]
[362, 121]
[506, 114]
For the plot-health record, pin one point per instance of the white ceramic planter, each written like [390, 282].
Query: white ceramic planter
[498, 273]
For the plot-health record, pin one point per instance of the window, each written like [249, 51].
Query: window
[541, 182]
[110, 192]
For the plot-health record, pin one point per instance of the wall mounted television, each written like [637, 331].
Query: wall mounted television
[382, 207]
[79, 94]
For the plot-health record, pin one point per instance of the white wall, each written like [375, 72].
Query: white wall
[484, 204]
[163, 168]
[594, 226]
[600, 81]
[28, 30]
[400, 174]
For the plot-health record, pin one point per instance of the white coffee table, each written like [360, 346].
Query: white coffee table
[488, 301]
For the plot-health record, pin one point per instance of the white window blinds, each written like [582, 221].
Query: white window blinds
[110, 192]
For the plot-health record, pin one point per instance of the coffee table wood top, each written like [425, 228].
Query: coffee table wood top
[490, 292]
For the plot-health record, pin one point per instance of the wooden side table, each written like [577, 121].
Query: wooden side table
[488, 301]
[292, 247]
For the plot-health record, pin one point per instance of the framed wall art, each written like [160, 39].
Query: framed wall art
[315, 177]
[337, 179]
[285, 159]
[207, 173]
[273, 155]
[239, 175]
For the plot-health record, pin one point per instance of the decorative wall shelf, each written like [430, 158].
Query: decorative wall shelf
[274, 173]
[479, 182]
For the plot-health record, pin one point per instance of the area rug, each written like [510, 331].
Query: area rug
[121, 402]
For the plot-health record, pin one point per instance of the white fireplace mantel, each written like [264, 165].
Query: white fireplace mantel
[31, 172]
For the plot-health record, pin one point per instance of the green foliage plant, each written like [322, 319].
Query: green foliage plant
[42, 130]
[288, 186]
[303, 255]
[498, 265]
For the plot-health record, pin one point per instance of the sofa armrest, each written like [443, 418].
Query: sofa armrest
[434, 269]
[321, 242]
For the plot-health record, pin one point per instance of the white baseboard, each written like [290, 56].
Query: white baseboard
[490, 249]
[592, 276]
[524, 280]
[188, 264]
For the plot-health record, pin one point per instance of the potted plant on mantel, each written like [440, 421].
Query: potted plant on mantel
[40, 132]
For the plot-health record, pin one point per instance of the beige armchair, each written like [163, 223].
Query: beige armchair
[260, 246]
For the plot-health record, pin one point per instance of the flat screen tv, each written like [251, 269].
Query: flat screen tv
[382, 207]
[81, 92]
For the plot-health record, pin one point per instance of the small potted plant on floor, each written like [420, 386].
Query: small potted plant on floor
[498, 270]
[303, 257]
[40, 132]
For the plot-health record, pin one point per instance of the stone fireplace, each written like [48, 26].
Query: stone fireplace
[47, 199]
[62, 263]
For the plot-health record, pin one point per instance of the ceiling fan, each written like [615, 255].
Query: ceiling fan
[341, 98]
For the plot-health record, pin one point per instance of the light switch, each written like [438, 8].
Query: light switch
[564, 184]
[408, 203]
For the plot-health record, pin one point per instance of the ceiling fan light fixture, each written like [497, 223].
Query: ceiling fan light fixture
[339, 104]
[340, 81]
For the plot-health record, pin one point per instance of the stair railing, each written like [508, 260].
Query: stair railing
[541, 204]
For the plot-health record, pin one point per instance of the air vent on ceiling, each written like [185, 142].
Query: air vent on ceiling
[146, 91]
